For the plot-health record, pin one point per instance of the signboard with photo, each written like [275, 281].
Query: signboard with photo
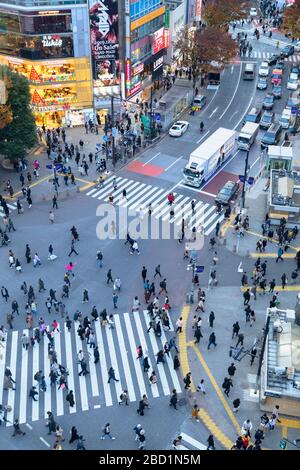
[105, 41]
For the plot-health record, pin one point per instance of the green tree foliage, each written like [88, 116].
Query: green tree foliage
[19, 135]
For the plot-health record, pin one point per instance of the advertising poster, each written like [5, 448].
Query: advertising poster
[105, 42]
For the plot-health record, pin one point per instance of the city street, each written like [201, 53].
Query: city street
[104, 216]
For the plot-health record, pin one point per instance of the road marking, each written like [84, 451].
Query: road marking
[177, 160]
[47, 394]
[69, 362]
[24, 374]
[173, 372]
[232, 69]
[216, 387]
[251, 166]
[182, 346]
[201, 138]
[144, 164]
[208, 194]
[290, 423]
[81, 378]
[13, 368]
[233, 96]
[59, 393]
[45, 442]
[193, 441]
[214, 111]
[277, 288]
[271, 255]
[215, 430]
[124, 357]
[137, 365]
[113, 360]
[29, 427]
[233, 115]
[97, 406]
[103, 365]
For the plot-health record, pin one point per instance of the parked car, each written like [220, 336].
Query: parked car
[272, 136]
[263, 70]
[266, 120]
[277, 91]
[287, 51]
[273, 59]
[179, 128]
[262, 83]
[227, 193]
[293, 82]
[268, 102]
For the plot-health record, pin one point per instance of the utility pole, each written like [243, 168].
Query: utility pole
[113, 131]
[245, 179]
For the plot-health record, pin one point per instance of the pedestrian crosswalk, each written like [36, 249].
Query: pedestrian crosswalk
[190, 443]
[117, 348]
[266, 55]
[140, 195]
[12, 207]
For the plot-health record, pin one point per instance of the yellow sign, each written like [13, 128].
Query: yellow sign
[145, 19]
[3, 95]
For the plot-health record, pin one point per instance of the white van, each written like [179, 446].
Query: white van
[249, 71]
[287, 119]
[247, 135]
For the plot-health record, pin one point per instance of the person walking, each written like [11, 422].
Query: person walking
[25, 341]
[176, 362]
[111, 375]
[279, 254]
[54, 202]
[144, 274]
[70, 398]
[51, 424]
[106, 432]
[85, 296]
[187, 380]
[211, 443]
[4, 293]
[17, 429]
[211, 319]
[283, 280]
[51, 217]
[212, 340]
[33, 393]
[236, 404]
[231, 369]
[240, 340]
[73, 248]
[174, 399]
[115, 298]
[124, 398]
[198, 335]
[163, 287]
[179, 324]
[109, 277]
[227, 383]
[157, 271]
[74, 435]
[246, 296]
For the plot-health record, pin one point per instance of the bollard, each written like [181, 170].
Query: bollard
[234, 250]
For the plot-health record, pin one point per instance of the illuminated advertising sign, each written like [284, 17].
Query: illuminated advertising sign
[158, 41]
[105, 41]
[167, 38]
[127, 74]
[198, 10]
[137, 69]
[52, 40]
[134, 90]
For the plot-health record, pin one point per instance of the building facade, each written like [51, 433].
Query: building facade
[49, 43]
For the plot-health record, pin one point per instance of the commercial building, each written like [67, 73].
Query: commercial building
[48, 42]
[147, 38]
[280, 373]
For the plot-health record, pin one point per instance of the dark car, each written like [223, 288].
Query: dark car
[277, 91]
[273, 59]
[254, 115]
[266, 120]
[272, 136]
[295, 69]
[279, 65]
[287, 51]
[268, 102]
[227, 193]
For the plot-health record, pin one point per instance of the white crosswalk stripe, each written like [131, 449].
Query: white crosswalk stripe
[266, 55]
[12, 207]
[190, 443]
[117, 349]
[140, 195]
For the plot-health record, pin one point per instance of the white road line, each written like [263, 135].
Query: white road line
[29, 427]
[193, 441]
[47, 394]
[187, 187]
[235, 112]
[82, 380]
[102, 364]
[235, 91]
[104, 190]
[159, 366]
[160, 201]
[105, 181]
[232, 69]
[113, 361]
[210, 229]
[170, 365]
[23, 381]
[147, 195]
[212, 217]
[143, 343]
[207, 194]
[97, 406]
[45, 442]
[118, 194]
[178, 209]
[2, 366]
[133, 189]
[118, 191]
[151, 198]
[93, 374]
[13, 368]
[69, 363]
[251, 166]
[130, 198]
[203, 137]
[137, 365]
[199, 215]
[167, 207]
[213, 112]
[138, 195]
[177, 160]
[35, 369]
[151, 159]
[59, 393]
[124, 353]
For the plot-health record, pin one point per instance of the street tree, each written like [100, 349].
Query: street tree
[204, 50]
[219, 13]
[18, 132]
[291, 20]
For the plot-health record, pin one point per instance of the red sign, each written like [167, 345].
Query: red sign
[167, 38]
[198, 10]
[127, 74]
[135, 89]
[137, 69]
[159, 40]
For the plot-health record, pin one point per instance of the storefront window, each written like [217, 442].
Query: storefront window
[39, 74]
[36, 47]
[54, 96]
[32, 22]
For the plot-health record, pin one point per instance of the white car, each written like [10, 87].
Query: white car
[293, 82]
[263, 69]
[179, 128]
[297, 46]
[253, 12]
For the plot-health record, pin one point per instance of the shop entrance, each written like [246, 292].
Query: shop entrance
[50, 119]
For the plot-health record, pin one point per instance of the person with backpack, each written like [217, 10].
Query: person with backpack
[106, 432]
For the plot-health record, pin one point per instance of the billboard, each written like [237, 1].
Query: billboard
[105, 42]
